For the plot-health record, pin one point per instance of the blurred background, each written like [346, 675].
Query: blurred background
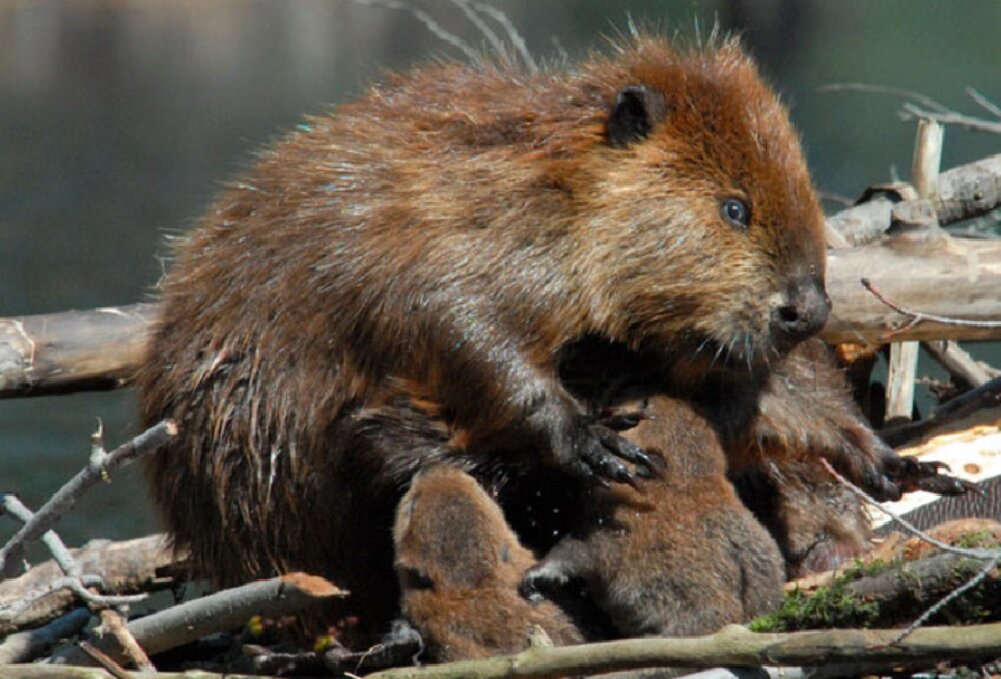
[121, 119]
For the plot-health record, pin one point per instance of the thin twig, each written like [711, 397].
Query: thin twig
[57, 548]
[932, 110]
[66, 497]
[984, 102]
[429, 22]
[75, 580]
[948, 598]
[904, 523]
[993, 556]
[115, 623]
[105, 661]
[910, 111]
[917, 317]
[883, 89]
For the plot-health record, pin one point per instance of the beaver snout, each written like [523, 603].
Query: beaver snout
[802, 311]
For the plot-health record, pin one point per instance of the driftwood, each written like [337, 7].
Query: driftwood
[72, 351]
[141, 565]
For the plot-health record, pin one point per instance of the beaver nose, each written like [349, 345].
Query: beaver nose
[802, 311]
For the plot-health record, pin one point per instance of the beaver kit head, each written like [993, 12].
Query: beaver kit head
[703, 217]
[393, 283]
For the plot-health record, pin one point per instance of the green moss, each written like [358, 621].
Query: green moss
[978, 539]
[830, 606]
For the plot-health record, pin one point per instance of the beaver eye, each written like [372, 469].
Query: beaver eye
[736, 212]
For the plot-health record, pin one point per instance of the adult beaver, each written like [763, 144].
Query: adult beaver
[393, 283]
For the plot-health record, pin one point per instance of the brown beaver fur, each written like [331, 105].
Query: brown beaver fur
[680, 556]
[394, 286]
[460, 565]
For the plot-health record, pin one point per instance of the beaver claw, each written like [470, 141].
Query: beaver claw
[910, 474]
[600, 452]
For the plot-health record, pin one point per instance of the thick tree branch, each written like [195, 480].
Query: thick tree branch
[732, 646]
[211, 614]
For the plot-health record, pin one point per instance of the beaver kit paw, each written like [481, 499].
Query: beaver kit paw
[543, 580]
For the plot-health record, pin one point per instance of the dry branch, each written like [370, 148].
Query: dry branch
[211, 614]
[733, 646]
[12, 554]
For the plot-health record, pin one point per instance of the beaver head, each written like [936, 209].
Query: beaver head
[704, 219]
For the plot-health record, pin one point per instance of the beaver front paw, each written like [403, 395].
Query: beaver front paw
[911, 474]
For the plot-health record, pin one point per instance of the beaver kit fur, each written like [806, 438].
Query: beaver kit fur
[460, 566]
[394, 284]
[679, 556]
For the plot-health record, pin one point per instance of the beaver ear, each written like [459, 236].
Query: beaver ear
[637, 109]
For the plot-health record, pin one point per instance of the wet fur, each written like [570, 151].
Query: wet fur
[393, 286]
[460, 565]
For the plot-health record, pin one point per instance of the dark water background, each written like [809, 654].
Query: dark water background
[119, 121]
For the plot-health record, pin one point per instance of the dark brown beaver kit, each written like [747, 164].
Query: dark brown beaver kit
[393, 285]
[682, 557]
